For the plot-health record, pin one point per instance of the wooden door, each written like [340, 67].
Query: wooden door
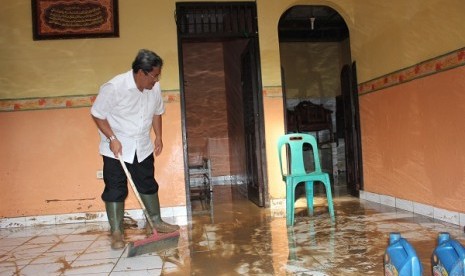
[353, 152]
[252, 125]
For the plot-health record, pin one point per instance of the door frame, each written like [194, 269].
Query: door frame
[352, 132]
[209, 37]
[255, 195]
[350, 98]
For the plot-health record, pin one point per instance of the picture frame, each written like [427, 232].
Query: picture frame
[71, 19]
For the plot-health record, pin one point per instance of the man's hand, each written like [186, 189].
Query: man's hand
[158, 146]
[116, 147]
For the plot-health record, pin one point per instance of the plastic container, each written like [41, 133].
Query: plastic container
[401, 258]
[448, 257]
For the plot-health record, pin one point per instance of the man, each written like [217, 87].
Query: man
[125, 110]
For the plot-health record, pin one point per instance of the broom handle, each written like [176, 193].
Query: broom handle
[133, 186]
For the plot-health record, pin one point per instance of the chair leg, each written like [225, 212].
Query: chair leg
[309, 195]
[329, 197]
[292, 245]
[290, 198]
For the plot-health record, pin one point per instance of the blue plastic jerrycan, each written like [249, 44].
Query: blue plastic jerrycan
[400, 258]
[448, 257]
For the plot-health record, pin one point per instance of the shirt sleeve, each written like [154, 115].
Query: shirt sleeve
[104, 102]
[159, 105]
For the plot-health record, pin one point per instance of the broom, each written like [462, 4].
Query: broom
[156, 242]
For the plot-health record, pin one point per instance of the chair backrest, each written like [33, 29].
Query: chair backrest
[296, 143]
[291, 121]
[312, 117]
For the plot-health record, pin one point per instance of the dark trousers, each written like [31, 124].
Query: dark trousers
[116, 182]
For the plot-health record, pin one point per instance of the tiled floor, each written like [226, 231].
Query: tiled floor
[236, 238]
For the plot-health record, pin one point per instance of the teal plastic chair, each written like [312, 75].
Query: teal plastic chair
[296, 172]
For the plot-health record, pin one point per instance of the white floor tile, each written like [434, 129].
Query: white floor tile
[64, 229]
[12, 260]
[81, 237]
[86, 267]
[7, 242]
[99, 245]
[101, 255]
[44, 240]
[42, 270]
[4, 253]
[29, 251]
[25, 232]
[53, 257]
[149, 272]
[9, 270]
[88, 228]
[139, 263]
[71, 246]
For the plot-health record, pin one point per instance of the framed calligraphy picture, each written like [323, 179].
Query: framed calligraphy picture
[62, 19]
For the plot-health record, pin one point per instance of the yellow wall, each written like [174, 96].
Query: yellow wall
[390, 35]
[385, 36]
[269, 13]
[274, 122]
[79, 66]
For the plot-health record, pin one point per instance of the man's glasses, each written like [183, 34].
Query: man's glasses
[153, 77]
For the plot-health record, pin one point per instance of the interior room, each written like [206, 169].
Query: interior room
[214, 117]
[215, 96]
[313, 54]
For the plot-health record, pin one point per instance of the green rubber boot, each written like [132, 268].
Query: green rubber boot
[152, 204]
[115, 213]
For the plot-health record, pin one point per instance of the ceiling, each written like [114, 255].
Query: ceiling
[295, 25]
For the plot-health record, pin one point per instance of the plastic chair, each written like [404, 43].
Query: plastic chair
[298, 173]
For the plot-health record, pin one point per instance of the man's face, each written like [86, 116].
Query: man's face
[149, 79]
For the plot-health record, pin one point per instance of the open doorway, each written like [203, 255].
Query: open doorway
[319, 89]
[222, 114]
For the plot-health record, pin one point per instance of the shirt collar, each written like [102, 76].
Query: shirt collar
[130, 82]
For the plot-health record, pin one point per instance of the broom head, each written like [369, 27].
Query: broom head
[154, 243]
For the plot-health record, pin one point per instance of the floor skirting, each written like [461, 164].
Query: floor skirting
[415, 207]
[176, 215]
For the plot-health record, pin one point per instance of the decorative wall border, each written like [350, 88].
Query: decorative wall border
[432, 66]
[45, 103]
[273, 91]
